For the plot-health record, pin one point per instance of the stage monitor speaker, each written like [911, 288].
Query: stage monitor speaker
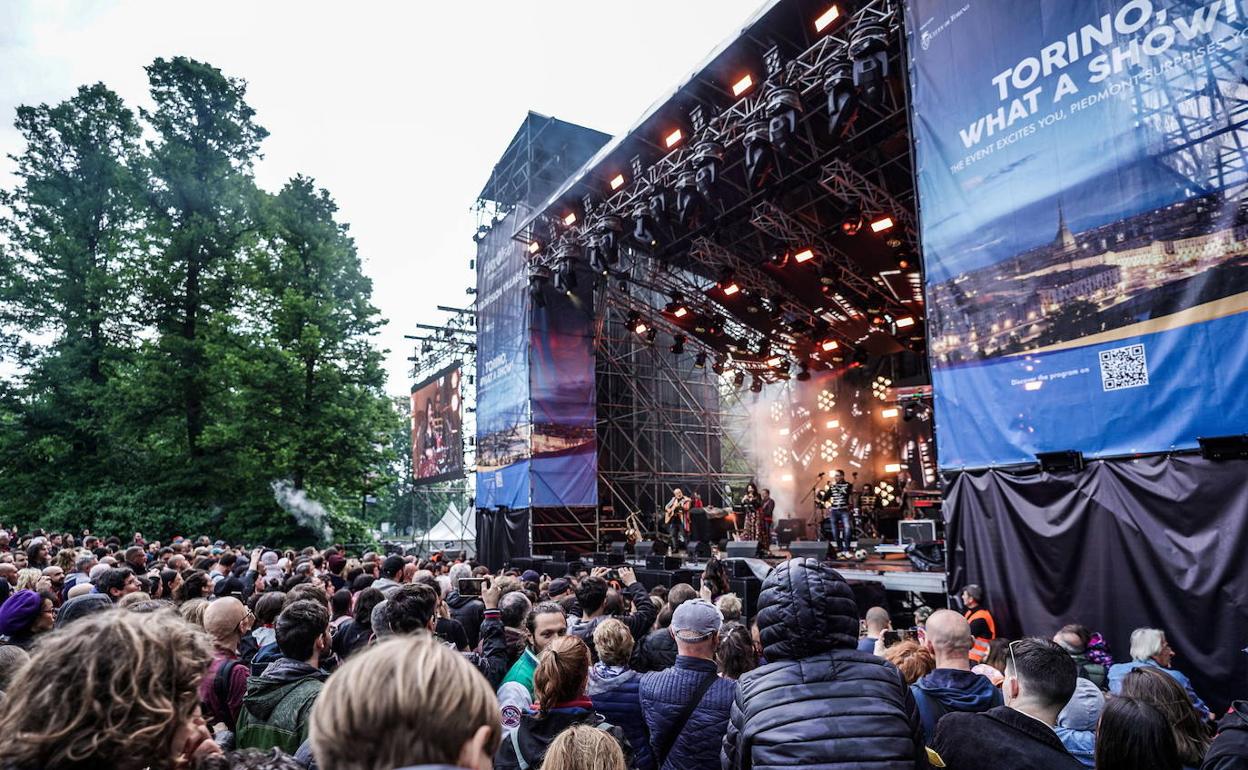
[559, 556]
[742, 549]
[663, 577]
[664, 562]
[916, 531]
[698, 549]
[618, 547]
[747, 590]
[927, 556]
[808, 549]
[643, 548]
[598, 559]
[738, 567]
[788, 530]
[521, 564]
[1224, 447]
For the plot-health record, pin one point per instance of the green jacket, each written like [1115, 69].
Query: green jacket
[277, 706]
[522, 670]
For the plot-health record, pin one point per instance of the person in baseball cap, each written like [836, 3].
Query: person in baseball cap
[696, 621]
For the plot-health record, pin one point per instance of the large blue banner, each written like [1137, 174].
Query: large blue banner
[503, 422]
[565, 458]
[1081, 165]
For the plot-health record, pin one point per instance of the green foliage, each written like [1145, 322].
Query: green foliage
[183, 340]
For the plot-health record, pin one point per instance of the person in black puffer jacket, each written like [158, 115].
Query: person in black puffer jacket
[819, 704]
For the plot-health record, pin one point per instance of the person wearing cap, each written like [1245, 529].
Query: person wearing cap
[24, 616]
[221, 691]
[81, 606]
[687, 707]
[810, 700]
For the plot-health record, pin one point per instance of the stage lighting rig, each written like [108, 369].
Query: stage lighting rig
[708, 162]
[738, 379]
[688, 202]
[868, 47]
[803, 371]
[565, 275]
[852, 223]
[650, 219]
[838, 84]
[678, 344]
[699, 361]
[783, 107]
[538, 279]
[756, 386]
[604, 243]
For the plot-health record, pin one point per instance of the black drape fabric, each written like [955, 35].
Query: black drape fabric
[1156, 542]
[501, 535]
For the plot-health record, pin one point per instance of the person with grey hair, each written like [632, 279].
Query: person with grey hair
[468, 610]
[82, 571]
[514, 609]
[1149, 647]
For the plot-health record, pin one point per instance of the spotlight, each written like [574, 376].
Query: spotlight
[829, 345]
[673, 139]
[678, 344]
[728, 284]
[742, 85]
[617, 182]
[649, 216]
[738, 379]
[718, 367]
[889, 413]
[775, 362]
[535, 247]
[570, 219]
[708, 159]
[604, 244]
[759, 159]
[779, 259]
[687, 200]
[852, 223]
[681, 311]
[565, 276]
[652, 335]
[804, 255]
[911, 412]
[838, 84]
[882, 224]
[699, 361]
[783, 107]
[641, 328]
[869, 49]
[903, 323]
[892, 468]
[826, 18]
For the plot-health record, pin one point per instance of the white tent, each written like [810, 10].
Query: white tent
[456, 530]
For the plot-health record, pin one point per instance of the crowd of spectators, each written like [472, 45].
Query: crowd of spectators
[205, 655]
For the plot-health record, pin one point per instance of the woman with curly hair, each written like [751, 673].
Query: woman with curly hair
[195, 585]
[135, 704]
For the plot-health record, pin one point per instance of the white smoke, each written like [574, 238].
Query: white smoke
[307, 512]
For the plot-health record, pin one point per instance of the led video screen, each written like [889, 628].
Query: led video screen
[437, 427]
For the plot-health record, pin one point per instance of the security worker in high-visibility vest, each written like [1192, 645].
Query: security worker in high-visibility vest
[983, 627]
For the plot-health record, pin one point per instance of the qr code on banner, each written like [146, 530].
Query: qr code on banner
[1124, 368]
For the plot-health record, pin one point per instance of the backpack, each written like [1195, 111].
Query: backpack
[221, 688]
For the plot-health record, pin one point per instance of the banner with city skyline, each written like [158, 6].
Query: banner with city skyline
[1084, 237]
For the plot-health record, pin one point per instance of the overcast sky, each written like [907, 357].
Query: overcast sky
[399, 109]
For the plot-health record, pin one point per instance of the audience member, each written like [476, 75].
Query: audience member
[912, 659]
[407, 702]
[1074, 639]
[877, 622]
[591, 595]
[1162, 692]
[952, 686]
[1229, 750]
[545, 623]
[993, 666]
[657, 650]
[807, 700]
[226, 620]
[584, 748]
[983, 626]
[730, 608]
[513, 610]
[735, 654]
[1039, 681]
[1076, 724]
[25, 616]
[613, 688]
[559, 686]
[1133, 735]
[1149, 647]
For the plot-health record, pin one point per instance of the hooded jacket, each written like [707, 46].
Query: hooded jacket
[613, 690]
[525, 747]
[948, 689]
[639, 622]
[278, 705]
[819, 704]
[1229, 751]
[468, 610]
[656, 652]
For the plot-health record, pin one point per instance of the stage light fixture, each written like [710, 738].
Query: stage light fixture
[729, 287]
[681, 311]
[537, 289]
[759, 159]
[641, 327]
[565, 276]
[803, 372]
[742, 85]
[831, 424]
[829, 345]
[838, 85]
[708, 159]
[678, 344]
[535, 247]
[738, 379]
[775, 361]
[868, 47]
[826, 18]
[826, 400]
[617, 182]
[699, 361]
[805, 255]
[570, 219]
[889, 413]
[852, 223]
[910, 412]
[718, 367]
[779, 259]
[904, 323]
[652, 335]
[783, 107]
[673, 139]
[687, 201]
[882, 224]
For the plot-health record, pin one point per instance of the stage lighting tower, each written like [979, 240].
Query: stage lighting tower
[708, 160]
[838, 84]
[759, 160]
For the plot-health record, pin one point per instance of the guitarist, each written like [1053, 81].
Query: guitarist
[676, 517]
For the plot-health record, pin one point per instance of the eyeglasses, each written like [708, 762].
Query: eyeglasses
[1013, 660]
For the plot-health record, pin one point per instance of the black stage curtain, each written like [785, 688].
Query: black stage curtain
[1151, 542]
[501, 535]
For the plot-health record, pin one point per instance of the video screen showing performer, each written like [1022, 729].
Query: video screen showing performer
[437, 428]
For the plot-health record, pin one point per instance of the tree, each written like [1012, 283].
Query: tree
[73, 229]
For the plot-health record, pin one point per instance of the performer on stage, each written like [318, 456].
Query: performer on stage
[766, 512]
[840, 520]
[676, 517]
[750, 505]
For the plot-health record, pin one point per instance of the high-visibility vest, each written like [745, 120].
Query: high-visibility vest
[979, 650]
